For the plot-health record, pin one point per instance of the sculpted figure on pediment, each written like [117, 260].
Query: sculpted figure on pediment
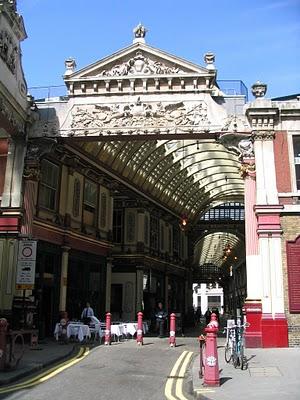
[139, 114]
[140, 65]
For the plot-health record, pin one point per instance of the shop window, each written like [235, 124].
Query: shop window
[176, 242]
[117, 226]
[154, 233]
[48, 185]
[296, 146]
[90, 202]
[130, 226]
[103, 210]
[76, 197]
[146, 231]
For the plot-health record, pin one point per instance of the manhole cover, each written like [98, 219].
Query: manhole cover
[264, 371]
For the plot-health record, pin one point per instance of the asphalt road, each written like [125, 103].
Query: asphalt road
[122, 371]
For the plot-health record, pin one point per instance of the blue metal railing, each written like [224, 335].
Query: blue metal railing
[43, 93]
[233, 87]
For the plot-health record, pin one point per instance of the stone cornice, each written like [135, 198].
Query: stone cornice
[263, 135]
[8, 9]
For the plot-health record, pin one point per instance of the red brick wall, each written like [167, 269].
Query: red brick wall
[282, 163]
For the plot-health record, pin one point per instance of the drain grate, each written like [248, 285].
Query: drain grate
[264, 371]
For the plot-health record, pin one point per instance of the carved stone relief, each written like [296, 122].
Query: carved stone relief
[140, 65]
[11, 115]
[246, 148]
[9, 52]
[140, 115]
[38, 148]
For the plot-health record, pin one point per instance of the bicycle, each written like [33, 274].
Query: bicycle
[230, 340]
[235, 346]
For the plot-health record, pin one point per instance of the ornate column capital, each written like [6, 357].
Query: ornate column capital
[247, 169]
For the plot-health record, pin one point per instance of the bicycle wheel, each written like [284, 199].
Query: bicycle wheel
[235, 360]
[244, 362]
[228, 352]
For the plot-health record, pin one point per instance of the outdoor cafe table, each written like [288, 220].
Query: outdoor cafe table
[80, 331]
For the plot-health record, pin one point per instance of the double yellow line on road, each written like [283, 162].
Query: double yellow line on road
[50, 373]
[175, 379]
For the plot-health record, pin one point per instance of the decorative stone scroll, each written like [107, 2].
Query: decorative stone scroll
[140, 65]
[139, 115]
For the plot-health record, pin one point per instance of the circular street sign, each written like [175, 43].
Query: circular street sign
[27, 252]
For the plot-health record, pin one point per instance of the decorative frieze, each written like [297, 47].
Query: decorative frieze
[139, 115]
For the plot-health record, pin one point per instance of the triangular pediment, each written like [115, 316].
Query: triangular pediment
[139, 59]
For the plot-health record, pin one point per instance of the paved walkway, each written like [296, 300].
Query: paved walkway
[272, 373]
[43, 355]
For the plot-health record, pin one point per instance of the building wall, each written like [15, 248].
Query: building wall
[8, 256]
[204, 292]
[291, 230]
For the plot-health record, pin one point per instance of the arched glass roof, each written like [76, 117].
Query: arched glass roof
[185, 176]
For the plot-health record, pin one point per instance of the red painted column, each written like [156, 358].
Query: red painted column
[172, 339]
[107, 338]
[139, 332]
[211, 364]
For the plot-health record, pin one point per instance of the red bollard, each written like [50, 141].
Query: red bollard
[139, 332]
[107, 338]
[3, 332]
[172, 339]
[211, 364]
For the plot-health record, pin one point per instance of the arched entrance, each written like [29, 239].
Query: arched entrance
[153, 142]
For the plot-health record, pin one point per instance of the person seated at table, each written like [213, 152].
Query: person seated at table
[87, 313]
[161, 316]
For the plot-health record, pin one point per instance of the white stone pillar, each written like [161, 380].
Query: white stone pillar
[253, 264]
[12, 193]
[139, 289]
[269, 170]
[108, 284]
[64, 278]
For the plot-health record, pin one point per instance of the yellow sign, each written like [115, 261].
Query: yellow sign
[24, 287]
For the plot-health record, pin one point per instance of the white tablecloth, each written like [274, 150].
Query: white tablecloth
[78, 330]
[117, 330]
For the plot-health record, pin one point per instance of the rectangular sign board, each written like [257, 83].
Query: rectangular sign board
[26, 264]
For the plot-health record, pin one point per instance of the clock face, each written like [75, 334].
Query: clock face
[211, 361]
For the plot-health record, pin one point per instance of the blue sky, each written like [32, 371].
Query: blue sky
[252, 40]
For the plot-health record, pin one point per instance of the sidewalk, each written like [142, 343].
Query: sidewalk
[43, 355]
[271, 373]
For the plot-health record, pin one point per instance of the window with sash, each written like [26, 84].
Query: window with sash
[48, 190]
[90, 202]
[296, 146]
